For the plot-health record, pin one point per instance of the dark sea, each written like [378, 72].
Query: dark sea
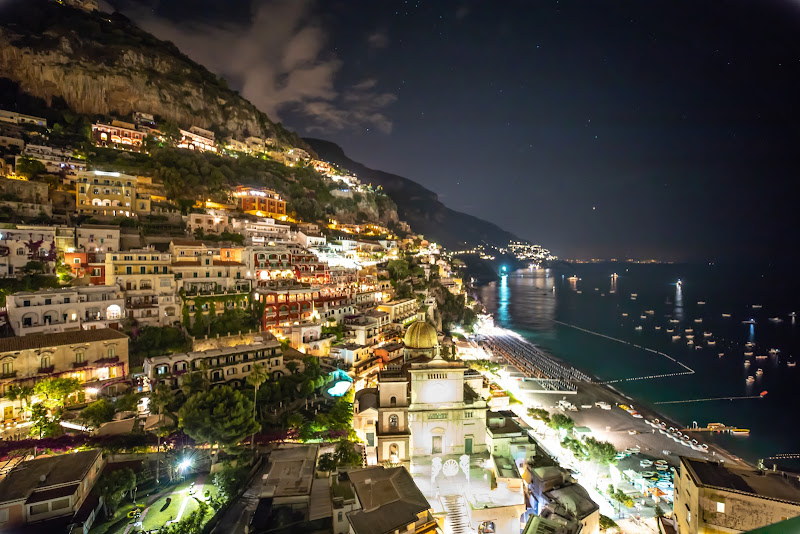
[535, 303]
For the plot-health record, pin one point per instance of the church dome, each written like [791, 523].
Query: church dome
[421, 335]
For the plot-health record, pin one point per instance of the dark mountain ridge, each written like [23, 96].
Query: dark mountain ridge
[418, 206]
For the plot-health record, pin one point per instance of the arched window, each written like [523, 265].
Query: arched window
[393, 422]
[393, 401]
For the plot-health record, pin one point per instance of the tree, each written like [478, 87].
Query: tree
[29, 168]
[292, 366]
[540, 414]
[600, 452]
[328, 462]
[14, 393]
[398, 269]
[194, 382]
[258, 375]
[113, 487]
[42, 426]
[295, 420]
[97, 413]
[561, 421]
[57, 390]
[346, 454]
[161, 397]
[221, 416]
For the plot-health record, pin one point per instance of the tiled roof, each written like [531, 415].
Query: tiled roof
[38, 341]
[56, 470]
[389, 498]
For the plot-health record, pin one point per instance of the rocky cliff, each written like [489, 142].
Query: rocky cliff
[101, 64]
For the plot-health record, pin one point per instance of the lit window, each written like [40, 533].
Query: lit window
[721, 507]
[79, 357]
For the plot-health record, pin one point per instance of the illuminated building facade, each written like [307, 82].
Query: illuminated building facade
[109, 193]
[261, 202]
[118, 135]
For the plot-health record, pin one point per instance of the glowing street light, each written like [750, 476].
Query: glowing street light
[184, 464]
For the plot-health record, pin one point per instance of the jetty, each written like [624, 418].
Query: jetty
[716, 427]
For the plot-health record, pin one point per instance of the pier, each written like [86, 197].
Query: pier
[715, 427]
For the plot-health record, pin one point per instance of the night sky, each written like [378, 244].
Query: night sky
[664, 129]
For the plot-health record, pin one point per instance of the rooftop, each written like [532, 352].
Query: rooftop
[389, 500]
[38, 341]
[56, 471]
[759, 483]
[575, 499]
[291, 472]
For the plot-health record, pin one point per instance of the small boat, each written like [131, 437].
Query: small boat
[634, 295]
[624, 314]
[698, 320]
[690, 342]
[700, 302]
[615, 275]
[706, 334]
[746, 363]
[689, 336]
[670, 330]
[679, 283]
[649, 312]
[749, 321]
[689, 330]
[658, 328]
[749, 344]
[721, 354]
[776, 320]
[756, 306]
[698, 347]
[711, 342]
[642, 317]
[675, 338]
[661, 462]
[579, 292]
[793, 314]
[740, 431]
[791, 364]
[674, 321]
[647, 474]
[759, 372]
[774, 352]
[726, 315]
[660, 467]
[750, 379]
[763, 393]
[748, 354]
[762, 357]
[573, 278]
[638, 327]
[645, 463]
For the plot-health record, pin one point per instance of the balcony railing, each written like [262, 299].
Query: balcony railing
[107, 361]
[46, 370]
[78, 365]
[10, 374]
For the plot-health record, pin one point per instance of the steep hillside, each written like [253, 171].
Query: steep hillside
[101, 64]
[418, 206]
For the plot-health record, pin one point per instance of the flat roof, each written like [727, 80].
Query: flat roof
[56, 470]
[575, 499]
[291, 472]
[389, 500]
[39, 341]
[764, 484]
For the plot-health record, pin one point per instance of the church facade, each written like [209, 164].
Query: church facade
[430, 406]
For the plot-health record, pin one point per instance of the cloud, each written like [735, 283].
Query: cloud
[378, 39]
[281, 62]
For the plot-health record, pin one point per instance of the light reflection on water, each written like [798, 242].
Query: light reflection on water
[533, 304]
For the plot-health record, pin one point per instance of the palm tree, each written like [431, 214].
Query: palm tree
[257, 376]
[161, 397]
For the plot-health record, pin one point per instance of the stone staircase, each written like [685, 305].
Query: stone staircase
[457, 521]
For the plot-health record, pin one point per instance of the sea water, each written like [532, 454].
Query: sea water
[545, 306]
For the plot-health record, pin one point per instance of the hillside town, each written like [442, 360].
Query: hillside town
[204, 330]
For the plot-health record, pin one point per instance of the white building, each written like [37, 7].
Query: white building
[310, 240]
[60, 310]
[27, 243]
[54, 159]
[212, 222]
[20, 118]
[145, 275]
[196, 138]
[224, 364]
[97, 238]
[263, 231]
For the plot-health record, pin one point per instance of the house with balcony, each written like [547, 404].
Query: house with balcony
[91, 265]
[401, 311]
[41, 495]
[214, 222]
[223, 364]
[196, 138]
[55, 160]
[286, 302]
[119, 135]
[287, 262]
[49, 311]
[97, 238]
[145, 275]
[97, 358]
[27, 243]
[260, 202]
[363, 329]
[263, 231]
[110, 194]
